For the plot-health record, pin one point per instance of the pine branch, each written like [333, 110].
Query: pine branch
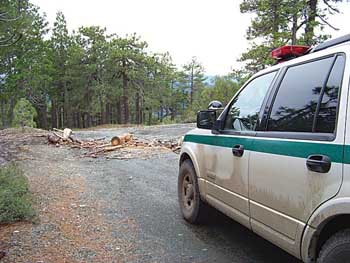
[330, 6]
[327, 23]
[301, 24]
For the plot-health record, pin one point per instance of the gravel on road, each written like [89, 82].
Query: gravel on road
[107, 210]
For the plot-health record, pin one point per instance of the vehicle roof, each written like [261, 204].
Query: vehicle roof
[344, 47]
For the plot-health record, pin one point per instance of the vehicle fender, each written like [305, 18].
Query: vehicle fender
[331, 208]
[324, 213]
[187, 148]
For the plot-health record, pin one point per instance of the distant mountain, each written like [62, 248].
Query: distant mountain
[210, 80]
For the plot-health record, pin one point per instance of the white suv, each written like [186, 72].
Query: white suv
[277, 158]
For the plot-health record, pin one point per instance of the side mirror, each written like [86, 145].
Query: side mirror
[206, 119]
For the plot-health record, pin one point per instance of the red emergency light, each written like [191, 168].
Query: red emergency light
[289, 52]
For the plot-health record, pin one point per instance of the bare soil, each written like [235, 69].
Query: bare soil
[112, 210]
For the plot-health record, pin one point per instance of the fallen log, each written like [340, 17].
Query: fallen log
[105, 149]
[57, 130]
[102, 145]
[67, 133]
[112, 148]
[51, 138]
[120, 140]
[58, 136]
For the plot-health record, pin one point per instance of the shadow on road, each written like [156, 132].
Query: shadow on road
[235, 240]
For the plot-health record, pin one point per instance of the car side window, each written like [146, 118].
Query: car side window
[245, 107]
[307, 98]
[327, 115]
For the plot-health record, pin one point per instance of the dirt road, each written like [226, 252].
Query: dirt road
[98, 210]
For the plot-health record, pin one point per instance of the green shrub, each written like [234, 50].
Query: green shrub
[15, 202]
[24, 114]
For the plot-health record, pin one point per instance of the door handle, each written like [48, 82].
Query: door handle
[318, 163]
[238, 150]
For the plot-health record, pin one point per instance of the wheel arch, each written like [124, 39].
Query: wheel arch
[327, 220]
[188, 154]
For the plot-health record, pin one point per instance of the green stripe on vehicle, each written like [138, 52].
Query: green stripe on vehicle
[279, 147]
[347, 154]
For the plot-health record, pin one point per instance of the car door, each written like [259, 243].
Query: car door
[296, 163]
[226, 159]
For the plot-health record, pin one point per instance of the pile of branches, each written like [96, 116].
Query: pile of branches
[100, 147]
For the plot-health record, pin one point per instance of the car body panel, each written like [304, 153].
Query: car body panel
[289, 211]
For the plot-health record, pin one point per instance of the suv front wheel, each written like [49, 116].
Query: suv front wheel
[192, 207]
[336, 249]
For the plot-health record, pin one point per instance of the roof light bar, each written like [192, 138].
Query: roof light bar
[288, 52]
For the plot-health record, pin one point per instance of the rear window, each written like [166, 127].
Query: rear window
[307, 98]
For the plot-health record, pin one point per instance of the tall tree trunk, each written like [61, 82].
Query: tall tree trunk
[119, 112]
[294, 26]
[79, 120]
[74, 117]
[275, 29]
[103, 112]
[84, 119]
[125, 99]
[191, 85]
[138, 108]
[108, 113]
[61, 120]
[143, 117]
[10, 112]
[53, 114]
[88, 119]
[173, 113]
[149, 117]
[38, 118]
[161, 113]
[141, 111]
[43, 113]
[3, 115]
[310, 24]
[66, 115]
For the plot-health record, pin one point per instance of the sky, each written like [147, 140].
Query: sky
[213, 31]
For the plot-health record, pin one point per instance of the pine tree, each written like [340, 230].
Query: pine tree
[281, 22]
[194, 75]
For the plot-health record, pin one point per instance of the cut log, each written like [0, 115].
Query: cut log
[51, 138]
[67, 133]
[58, 130]
[112, 148]
[105, 149]
[57, 135]
[102, 145]
[120, 140]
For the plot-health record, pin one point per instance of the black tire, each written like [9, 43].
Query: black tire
[336, 249]
[193, 209]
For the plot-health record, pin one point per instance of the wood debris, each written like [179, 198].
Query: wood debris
[122, 139]
[123, 147]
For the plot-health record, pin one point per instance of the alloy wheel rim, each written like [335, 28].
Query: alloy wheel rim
[188, 192]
